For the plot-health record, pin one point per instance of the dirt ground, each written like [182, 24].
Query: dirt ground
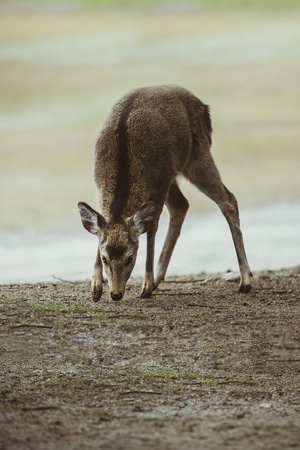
[198, 366]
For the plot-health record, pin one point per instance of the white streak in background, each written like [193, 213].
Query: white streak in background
[271, 234]
[261, 44]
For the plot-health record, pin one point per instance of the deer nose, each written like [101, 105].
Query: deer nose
[117, 296]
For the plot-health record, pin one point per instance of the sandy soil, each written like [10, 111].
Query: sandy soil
[197, 366]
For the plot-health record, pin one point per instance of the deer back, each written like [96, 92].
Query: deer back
[145, 143]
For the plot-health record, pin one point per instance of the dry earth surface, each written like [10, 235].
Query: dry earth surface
[197, 366]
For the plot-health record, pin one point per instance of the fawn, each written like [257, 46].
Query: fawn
[152, 135]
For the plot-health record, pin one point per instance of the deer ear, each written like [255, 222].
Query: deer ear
[143, 218]
[91, 220]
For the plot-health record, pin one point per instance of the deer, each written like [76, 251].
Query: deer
[152, 136]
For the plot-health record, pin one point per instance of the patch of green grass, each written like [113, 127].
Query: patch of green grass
[180, 376]
[119, 380]
[58, 308]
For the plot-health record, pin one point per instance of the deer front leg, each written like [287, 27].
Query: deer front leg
[148, 284]
[177, 205]
[97, 278]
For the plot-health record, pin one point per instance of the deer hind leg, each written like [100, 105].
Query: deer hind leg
[230, 210]
[177, 205]
[97, 278]
[204, 174]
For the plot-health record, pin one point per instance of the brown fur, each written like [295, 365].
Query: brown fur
[152, 135]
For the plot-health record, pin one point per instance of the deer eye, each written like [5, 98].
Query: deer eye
[104, 260]
[129, 260]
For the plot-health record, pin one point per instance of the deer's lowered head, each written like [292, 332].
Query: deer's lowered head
[118, 242]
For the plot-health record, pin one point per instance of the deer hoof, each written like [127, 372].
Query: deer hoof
[146, 294]
[96, 295]
[244, 288]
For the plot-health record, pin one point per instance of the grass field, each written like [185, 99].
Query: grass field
[62, 66]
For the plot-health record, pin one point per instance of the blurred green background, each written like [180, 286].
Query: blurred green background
[63, 64]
